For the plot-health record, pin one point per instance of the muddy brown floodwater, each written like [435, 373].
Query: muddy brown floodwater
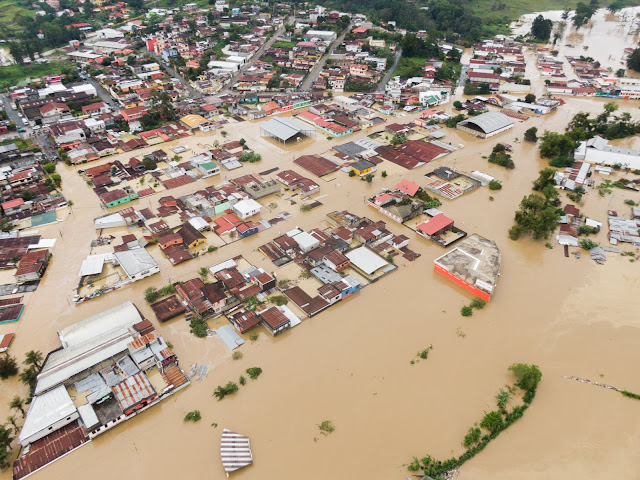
[350, 364]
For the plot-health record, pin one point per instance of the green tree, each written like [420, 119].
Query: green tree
[492, 421]
[149, 163]
[49, 167]
[17, 403]
[495, 185]
[34, 357]
[203, 273]
[541, 28]
[535, 217]
[556, 144]
[252, 303]
[633, 60]
[29, 377]
[531, 134]
[457, 105]
[530, 98]
[527, 376]
[620, 72]
[6, 224]
[8, 367]
[162, 104]
[151, 294]
[27, 195]
[398, 139]
[57, 179]
[5, 447]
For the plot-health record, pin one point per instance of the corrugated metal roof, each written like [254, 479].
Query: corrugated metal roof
[45, 410]
[489, 122]
[235, 451]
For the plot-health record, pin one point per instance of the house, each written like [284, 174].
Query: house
[168, 308]
[336, 261]
[275, 321]
[437, 225]
[52, 111]
[362, 167]
[168, 238]
[247, 229]
[246, 208]
[358, 70]
[245, 321]
[191, 236]
[265, 281]
[203, 299]
[32, 266]
[408, 187]
[137, 263]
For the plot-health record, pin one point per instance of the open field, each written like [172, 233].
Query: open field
[497, 20]
[409, 67]
[14, 74]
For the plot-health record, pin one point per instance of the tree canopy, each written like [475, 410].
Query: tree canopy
[541, 28]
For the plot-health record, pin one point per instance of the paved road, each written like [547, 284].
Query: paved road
[194, 93]
[385, 79]
[315, 71]
[103, 94]
[256, 56]
[11, 113]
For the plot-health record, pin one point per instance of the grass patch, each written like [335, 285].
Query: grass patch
[284, 45]
[409, 67]
[23, 145]
[14, 74]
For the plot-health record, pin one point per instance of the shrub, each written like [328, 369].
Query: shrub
[473, 436]
[495, 185]
[279, 300]
[222, 391]
[151, 294]
[588, 244]
[254, 336]
[198, 327]
[492, 421]
[211, 249]
[167, 290]
[242, 380]
[236, 355]
[630, 202]
[326, 427]
[584, 230]
[352, 173]
[478, 303]
[253, 372]
[466, 311]
[193, 416]
[424, 354]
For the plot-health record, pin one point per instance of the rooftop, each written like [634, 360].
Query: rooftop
[476, 260]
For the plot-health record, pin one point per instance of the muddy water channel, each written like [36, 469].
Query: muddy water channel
[351, 363]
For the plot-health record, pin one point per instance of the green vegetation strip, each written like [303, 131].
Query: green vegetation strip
[14, 74]
[629, 394]
[494, 422]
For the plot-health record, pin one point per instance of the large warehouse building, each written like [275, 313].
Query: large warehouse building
[486, 125]
[474, 264]
[285, 128]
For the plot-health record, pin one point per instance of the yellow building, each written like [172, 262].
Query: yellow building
[362, 167]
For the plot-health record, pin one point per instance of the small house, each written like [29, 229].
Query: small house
[362, 167]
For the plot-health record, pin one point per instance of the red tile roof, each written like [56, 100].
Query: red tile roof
[435, 224]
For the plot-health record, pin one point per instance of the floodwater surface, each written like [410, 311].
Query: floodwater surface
[351, 363]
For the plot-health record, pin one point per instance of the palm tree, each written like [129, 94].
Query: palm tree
[204, 274]
[33, 357]
[5, 447]
[502, 397]
[29, 376]
[14, 423]
[18, 404]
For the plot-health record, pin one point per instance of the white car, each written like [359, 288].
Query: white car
[37, 127]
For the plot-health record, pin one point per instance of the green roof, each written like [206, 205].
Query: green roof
[209, 165]
[43, 218]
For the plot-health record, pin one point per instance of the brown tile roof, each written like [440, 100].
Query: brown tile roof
[245, 321]
[168, 308]
[316, 164]
[274, 317]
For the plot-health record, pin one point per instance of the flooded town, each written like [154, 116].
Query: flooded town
[264, 240]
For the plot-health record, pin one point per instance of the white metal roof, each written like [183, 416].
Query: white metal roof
[198, 223]
[284, 128]
[46, 410]
[489, 122]
[366, 260]
[306, 240]
[135, 261]
[94, 264]
[221, 266]
[88, 415]
[247, 206]
[235, 451]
